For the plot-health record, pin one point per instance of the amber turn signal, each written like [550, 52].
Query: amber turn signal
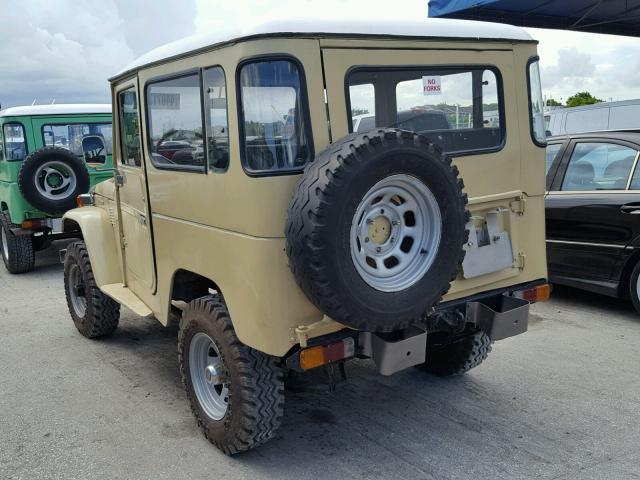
[313, 357]
[539, 293]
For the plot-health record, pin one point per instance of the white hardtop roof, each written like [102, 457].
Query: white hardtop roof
[60, 109]
[426, 28]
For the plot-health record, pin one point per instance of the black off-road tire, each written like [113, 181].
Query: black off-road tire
[27, 179]
[322, 210]
[256, 380]
[102, 313]
[457, 357]
[19, 255]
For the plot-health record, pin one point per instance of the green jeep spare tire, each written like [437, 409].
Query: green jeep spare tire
[51, 178]
[376, 227]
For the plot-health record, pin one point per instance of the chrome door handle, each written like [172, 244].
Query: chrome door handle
[631, 209]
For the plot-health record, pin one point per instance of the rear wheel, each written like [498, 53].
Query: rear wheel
[236, 393]
[17, 250]
[457, 357]
[94, 314]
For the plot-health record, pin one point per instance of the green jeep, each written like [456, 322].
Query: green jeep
[49, 154]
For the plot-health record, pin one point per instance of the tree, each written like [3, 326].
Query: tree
[553, 103]
[582, 98]
[358, 111]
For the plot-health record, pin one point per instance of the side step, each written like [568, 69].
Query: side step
[126, 297]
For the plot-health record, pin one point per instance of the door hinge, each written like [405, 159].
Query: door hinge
[119, 179]
[518, 205]
[520, 260]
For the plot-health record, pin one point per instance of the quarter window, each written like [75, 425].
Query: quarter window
[15, 145]
[599, 166]
[217, 125]
[536, 103]
[70, 136]
[131, 149]
[175, 123]
[460, 109]
[551, 154]
[1, 146]
[273, 117]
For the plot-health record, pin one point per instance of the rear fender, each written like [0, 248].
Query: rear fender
[100, 238]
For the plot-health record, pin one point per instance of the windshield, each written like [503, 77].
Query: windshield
[70, 135]
[536, 104]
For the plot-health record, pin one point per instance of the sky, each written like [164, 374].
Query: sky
[65, 50]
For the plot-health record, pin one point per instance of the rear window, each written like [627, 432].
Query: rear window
[274, 117]
[15, 145]
[70, 135]
[460, 109]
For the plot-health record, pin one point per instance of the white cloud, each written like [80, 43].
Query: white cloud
[67, 49]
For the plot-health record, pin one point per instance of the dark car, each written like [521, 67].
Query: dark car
[593, 212]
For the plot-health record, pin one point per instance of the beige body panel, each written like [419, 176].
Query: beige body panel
[229, 227]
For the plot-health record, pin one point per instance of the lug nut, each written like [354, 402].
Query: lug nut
[382, 210]
[395, 223]
[369, 221]
[378, 249]
[366, 240]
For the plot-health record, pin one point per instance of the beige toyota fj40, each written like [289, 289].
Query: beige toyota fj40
[243, 205]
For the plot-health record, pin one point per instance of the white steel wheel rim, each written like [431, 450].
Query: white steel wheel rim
[77, 291]
[208, 376]
[5, 243]
[55, 180]
[395, 233]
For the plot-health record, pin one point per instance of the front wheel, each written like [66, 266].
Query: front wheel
[17, 250]
[94, 314]
[236, 393]
[634, 287]
[458, 356]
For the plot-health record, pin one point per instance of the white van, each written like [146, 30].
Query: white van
[622, 115]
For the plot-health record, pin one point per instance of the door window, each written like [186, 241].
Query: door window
[175, 123]
[599, 166]
[130, 144]
[15, 145]
[461, 105]
[274, 117]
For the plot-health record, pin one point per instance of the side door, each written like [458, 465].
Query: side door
[138, 259]
[589, 209]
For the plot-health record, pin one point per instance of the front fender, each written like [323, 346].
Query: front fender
[100, 237]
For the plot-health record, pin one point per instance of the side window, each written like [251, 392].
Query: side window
[427, 100]
[216, 122]
[599, 166]
[274, 117]
[552, 153]
[130, 144]
[15, 145]
[1, 145]
[363, 106]
[174, 110]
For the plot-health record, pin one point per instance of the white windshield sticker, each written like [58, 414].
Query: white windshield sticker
[431, 85]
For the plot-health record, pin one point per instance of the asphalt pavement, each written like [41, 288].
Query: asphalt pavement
[559, 402]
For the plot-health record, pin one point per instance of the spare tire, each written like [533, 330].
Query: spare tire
[375, 229]
[51, 178]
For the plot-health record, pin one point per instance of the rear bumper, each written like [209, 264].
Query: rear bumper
[500, 313]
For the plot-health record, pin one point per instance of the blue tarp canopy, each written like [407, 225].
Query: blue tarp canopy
[618, 17]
